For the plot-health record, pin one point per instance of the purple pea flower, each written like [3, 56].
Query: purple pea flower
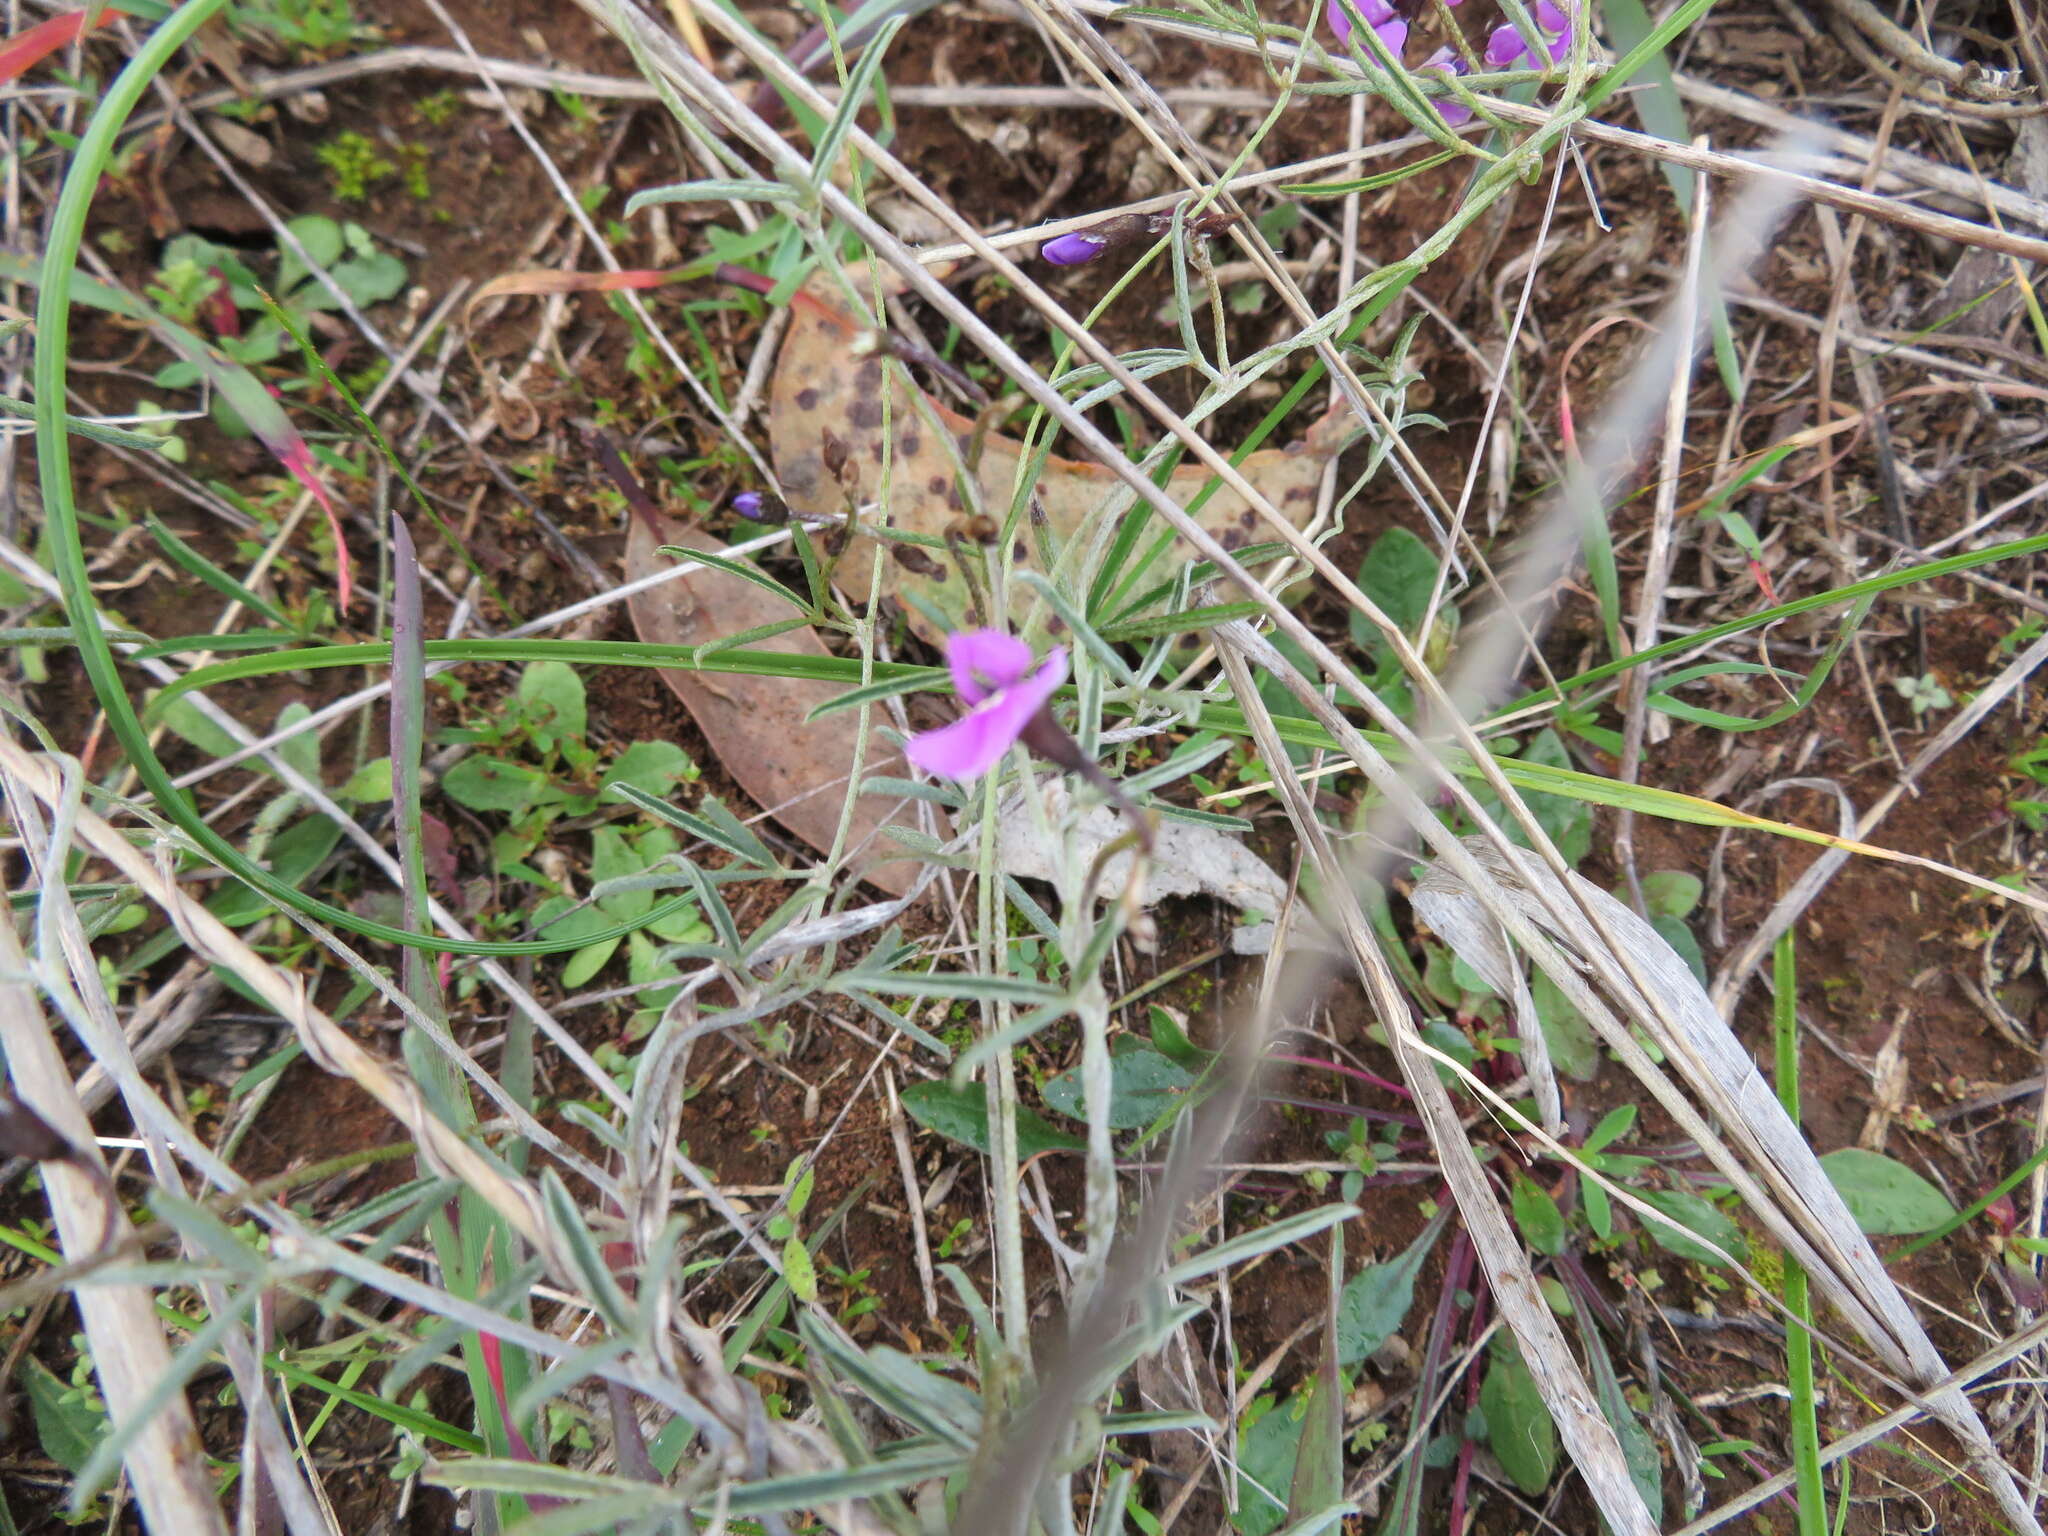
[1506, 48]
[1447, 61]
[993, 673]
[748, 504]
[1377, 14]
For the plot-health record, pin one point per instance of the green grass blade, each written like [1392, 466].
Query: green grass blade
[1813, 1514]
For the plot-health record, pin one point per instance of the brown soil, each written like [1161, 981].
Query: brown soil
[1885, 943]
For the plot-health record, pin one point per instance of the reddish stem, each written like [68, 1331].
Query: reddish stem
[1385, 1084]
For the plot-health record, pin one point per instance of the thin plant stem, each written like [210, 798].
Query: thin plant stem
[1813, 1514]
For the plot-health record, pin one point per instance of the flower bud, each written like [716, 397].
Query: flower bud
[1072, 250]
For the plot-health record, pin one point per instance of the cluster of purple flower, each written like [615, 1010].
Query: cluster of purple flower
[1377, 14]
[1505, 49]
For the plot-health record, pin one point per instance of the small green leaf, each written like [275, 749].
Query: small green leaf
[492, 784]
[1542, 1225]
[588, 960]
[1671, 892]
[1674, 932]
[1695, 1215]
[1268, 1444]
[68, 1426]
[1453, 1042]
[1887, 1198]
[551, 698]
[370, 279]
[1614, 1125]
[1376, 1299]
[1569, 822]
[1518, 1426]
[652, 766]
[961, 1114]
[292, 856]
[322, 239]
[800, 1189]
[561, 917]
[369, 784]
[186, 721]
[798, 1270]
[1144, 1086]
[1599, 1209]
[1399, 574]
[1172, 1042]
[1638, 1449]
[1574, 1048]
[613, 858]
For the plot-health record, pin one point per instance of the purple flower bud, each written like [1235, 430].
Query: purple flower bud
[758, 508]
[1073, 249]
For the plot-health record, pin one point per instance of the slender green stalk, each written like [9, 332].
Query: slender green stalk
[1973, 1210]
[1813, 1512]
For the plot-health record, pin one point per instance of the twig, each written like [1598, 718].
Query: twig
[899, 1136]
[1657, 561]
[1756, 167]
[1900, 166]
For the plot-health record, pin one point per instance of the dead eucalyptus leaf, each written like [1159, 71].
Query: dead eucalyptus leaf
[793, 768]
[826, 417]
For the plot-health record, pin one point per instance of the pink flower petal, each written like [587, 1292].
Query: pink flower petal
[1504, 47]
[1550, 18]
[1394, 34]
[985, 659]
[1340, 14]
[976, 742]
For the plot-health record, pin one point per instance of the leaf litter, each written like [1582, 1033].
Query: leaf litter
[835, 426]
[840, 436]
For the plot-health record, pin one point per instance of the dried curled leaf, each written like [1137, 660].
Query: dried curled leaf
[826, 425]
[795, 769]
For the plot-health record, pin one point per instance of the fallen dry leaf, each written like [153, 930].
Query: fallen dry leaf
[1187, 860]
[825, 431]
[794, 769]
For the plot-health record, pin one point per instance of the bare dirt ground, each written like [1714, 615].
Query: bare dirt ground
[1923, 1002]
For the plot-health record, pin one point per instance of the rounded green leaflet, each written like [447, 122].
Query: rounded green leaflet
[1887, 1198]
